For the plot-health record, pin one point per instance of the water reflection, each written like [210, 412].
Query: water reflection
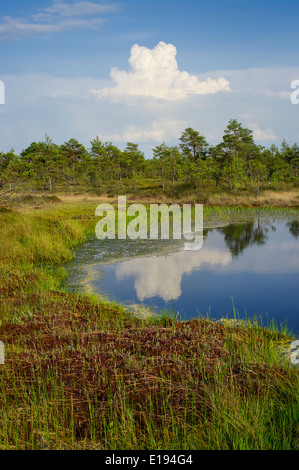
[240, 236]
[256, 263]
[162, 275]
[294, 228]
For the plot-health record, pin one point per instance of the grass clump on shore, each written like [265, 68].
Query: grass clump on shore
[85, 374]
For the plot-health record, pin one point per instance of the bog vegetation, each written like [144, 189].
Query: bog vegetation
[81, 373]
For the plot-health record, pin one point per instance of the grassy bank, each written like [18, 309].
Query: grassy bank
[84, 374]
[284, 198]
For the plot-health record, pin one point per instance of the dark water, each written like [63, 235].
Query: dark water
[251, 266]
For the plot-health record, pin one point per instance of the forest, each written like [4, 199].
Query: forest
[237, 163]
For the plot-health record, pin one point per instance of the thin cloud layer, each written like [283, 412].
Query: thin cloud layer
[21, 27]
[154, 73]
[260, 134]
[63, 107]
[81, 8]
[155, 131]
[60, 16]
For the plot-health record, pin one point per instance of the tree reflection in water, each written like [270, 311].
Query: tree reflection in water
[240, 236]
[294, 228]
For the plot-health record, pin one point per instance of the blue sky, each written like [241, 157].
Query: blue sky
[143, 70]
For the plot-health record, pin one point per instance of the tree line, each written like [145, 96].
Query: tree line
[236, 162]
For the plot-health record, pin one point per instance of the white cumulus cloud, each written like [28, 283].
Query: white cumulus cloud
[154, 73]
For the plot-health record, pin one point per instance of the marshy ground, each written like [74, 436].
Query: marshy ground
[81, 373]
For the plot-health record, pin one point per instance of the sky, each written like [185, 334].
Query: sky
[143, 70]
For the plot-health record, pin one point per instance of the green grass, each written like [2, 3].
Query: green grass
[81, 373]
